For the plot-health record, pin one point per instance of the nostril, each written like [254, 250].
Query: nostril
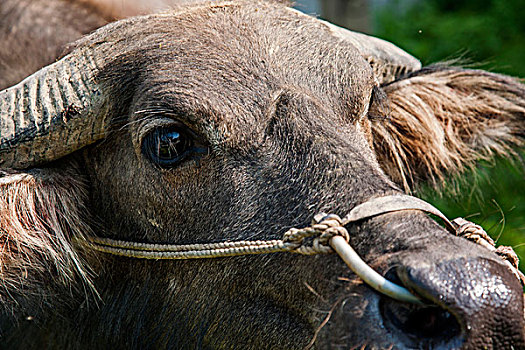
[431, 322]
[427, 326]
[477, 303]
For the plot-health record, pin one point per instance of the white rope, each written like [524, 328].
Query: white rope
[369, 275]
[190, 251]
[326, 235]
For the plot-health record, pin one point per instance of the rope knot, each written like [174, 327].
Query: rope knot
[315, 238]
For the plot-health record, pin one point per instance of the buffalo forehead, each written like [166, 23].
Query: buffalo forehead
[222, 67]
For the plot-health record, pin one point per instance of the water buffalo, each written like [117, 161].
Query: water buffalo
[237, 120]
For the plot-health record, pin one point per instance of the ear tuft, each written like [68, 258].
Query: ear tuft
[443, 119]
[40, 211]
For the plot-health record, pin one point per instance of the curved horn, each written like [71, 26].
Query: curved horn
[52, 113]
[387, 60]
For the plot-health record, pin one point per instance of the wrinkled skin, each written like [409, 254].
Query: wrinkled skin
[285, 142]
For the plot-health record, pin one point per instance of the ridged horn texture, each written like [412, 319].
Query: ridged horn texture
[388, 61]
[52, 113]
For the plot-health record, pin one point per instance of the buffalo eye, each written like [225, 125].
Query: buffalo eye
[169, 146]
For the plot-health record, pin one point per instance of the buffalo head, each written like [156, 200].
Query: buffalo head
[239, 120]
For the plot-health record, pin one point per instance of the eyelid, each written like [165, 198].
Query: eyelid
[147, 126]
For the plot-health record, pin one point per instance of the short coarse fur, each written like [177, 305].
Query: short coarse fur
[280, 104]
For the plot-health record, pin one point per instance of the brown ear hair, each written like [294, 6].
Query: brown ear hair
[444, 118]
[41, 210]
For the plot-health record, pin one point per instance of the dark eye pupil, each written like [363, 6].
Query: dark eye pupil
[167, 146]
[171, 145]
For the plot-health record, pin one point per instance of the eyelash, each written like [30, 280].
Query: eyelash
[170, 146]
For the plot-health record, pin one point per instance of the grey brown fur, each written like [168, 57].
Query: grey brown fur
[295, 123]
[446, 119]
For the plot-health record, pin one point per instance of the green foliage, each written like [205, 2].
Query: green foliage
[491, 32]
[492, 196]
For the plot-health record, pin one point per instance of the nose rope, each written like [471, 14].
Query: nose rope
[477, 234]
[326, 235]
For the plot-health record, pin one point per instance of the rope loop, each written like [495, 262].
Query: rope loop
[475, 233]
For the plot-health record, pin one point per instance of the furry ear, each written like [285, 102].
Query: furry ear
[443, 119]
[40, 211]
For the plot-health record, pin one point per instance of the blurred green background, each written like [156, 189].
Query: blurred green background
[489, 33]
[492, 34]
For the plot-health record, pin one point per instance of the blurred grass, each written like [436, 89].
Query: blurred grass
[491, 32]
[492, 196]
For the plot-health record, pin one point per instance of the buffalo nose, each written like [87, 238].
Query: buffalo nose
[473, 303]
